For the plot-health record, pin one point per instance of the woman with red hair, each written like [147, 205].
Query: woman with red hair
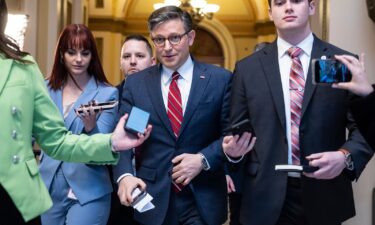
[80, 192]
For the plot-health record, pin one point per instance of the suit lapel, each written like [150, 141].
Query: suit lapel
[57, 99]
[318, 50]
[153, 85]
[271, 69]
[88, 94]
[198, 86]
[5, 66]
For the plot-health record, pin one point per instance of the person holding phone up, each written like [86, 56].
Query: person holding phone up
[363, 108]
[296, 123]
[81, 193]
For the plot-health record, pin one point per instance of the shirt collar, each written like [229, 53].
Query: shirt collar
[305, 45]
[185, 71]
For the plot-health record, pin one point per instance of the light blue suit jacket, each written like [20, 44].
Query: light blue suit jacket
[88, 182]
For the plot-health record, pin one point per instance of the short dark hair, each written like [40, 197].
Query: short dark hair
[139, 37]
[167, 13]
[270, 1]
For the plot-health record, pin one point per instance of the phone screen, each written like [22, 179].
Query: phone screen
[330, 71]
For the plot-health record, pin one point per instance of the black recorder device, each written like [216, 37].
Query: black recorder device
[98, 106]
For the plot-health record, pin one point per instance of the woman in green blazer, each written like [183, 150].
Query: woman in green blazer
[25, 110]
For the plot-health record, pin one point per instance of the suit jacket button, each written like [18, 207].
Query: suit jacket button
[15, 159]
[14, 110]
[14, 134]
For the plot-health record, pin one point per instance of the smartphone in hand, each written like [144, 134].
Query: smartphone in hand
[328, 71]
[98, 106]
[240, 127]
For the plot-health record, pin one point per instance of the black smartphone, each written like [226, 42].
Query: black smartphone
[328, 71]
[98, 106]
[137, 121]
[240, 127]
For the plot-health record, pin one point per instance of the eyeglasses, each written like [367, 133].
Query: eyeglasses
[173, 39]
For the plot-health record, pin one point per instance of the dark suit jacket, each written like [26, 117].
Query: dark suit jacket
[257, 94]
[363, 110]
[206, 116]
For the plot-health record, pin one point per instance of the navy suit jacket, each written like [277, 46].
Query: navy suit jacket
[206, 116]
[257, 94]
[88, 182]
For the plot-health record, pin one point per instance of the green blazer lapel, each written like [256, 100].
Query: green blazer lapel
[5, 66]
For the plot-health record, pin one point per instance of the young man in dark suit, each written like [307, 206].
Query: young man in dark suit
[182, 164]
[295, 122]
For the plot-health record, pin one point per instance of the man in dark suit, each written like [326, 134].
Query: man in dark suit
[295, 122]
[182, 164]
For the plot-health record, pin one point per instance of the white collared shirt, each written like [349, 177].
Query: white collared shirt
[184, 82]
[285, 62]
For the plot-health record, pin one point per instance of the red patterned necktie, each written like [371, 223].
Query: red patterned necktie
[175, 105]
[296, 90]
[175, 114]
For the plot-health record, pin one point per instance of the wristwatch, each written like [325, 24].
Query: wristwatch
[349, 165]
[205, 164]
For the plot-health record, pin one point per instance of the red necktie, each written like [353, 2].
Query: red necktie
[296, 90]
[175, 105]
[175, 115]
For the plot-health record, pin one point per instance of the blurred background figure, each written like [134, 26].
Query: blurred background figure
[80, 192]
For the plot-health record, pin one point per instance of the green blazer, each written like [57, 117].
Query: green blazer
[25, 110]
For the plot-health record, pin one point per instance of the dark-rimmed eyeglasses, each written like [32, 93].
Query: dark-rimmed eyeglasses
[174, 39]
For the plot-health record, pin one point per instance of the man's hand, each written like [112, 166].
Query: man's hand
[186, 167]
[330, 164]
[236, 146]
[126, 187]
[359, 84]
[121, 140]
[230, 184]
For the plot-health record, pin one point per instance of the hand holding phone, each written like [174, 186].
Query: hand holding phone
[97, 106]
[328, 71]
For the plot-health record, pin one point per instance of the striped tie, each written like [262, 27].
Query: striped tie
[175, 115]
[296, 89]
[174, 105]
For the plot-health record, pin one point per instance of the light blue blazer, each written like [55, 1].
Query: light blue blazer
[88, 182]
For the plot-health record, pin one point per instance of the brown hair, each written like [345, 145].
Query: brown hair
[75, 36]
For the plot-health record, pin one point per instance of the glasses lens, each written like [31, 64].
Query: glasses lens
[159, 41]
[175, 39]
